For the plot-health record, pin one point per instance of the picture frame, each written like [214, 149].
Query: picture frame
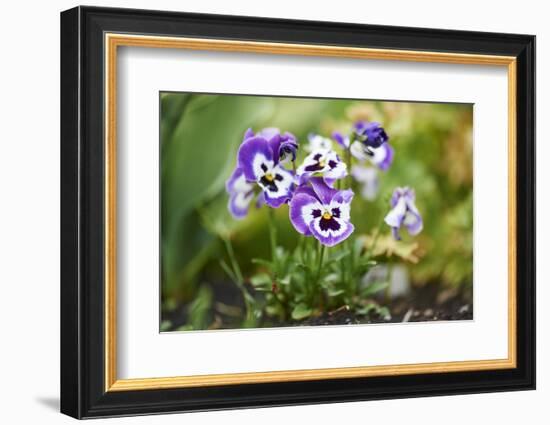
[90, 40]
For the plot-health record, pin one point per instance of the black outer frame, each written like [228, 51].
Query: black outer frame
[82, 212]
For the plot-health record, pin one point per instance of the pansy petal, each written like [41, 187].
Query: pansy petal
[303, 209]
[382, 156]
[330, 231]
[336, 168]
[324, 192]
[239, 203]
[255, 157]
[397, 214]
[269, 132]
[358, 151]
[237, 182]
[413, 222]
[248, 134]
[373, 132]
[342, 197]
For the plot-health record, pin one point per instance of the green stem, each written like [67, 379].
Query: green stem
[248, 299]
[273, 235]
[320, 262]
[348, 163]
[233, 260]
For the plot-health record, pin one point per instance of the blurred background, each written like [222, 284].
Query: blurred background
[200, 135]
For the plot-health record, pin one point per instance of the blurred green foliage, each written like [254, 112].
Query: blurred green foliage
[200, 135]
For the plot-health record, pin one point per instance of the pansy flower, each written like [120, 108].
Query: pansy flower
[316, 142]
[259, 160]
[371, 144]
[323, 162]
[241, 194]
[367, 177]
[404, 212]
[319, 210]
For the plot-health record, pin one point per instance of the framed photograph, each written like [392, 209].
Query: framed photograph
[261, 212]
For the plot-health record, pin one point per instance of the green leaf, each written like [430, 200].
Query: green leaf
[374, 287]
[341, 255]
[333, 292]
[261, 282]
[301, 311]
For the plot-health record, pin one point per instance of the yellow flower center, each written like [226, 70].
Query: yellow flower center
[327, 215]
[322, 163]
[269, 177]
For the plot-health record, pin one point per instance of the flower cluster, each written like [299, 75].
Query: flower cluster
[266, 170]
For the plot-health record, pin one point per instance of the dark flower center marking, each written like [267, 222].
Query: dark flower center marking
[319, 163]
[328, 221]
[269, 180]
[336, 212]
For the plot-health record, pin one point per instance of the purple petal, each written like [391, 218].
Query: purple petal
[383, 156]
[330, 231]
[239, 203]
[269, 132]
[395, 217]
[373, 132]
[343, 196]
[255, 157]
[322, 190]
[303, 209]
[248, 134]
[237, 182]
[413, 222]
[308, 190]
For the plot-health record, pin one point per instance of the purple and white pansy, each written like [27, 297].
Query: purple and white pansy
[404, 212]
[319, 210]
[259, 160]
[322, 162]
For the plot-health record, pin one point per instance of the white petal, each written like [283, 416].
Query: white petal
[395, 216]
[358, 151]
[257, 162]
[241, 185]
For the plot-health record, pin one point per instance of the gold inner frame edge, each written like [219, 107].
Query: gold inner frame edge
[113, 41]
